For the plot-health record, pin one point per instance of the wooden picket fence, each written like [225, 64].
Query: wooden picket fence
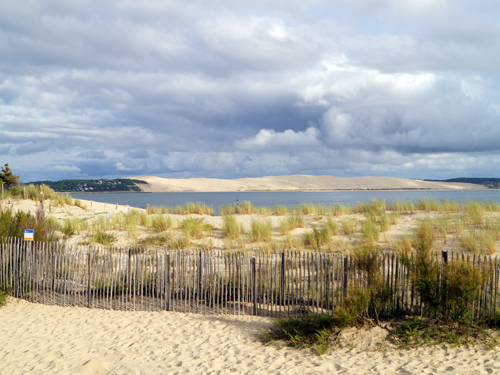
[264, 283]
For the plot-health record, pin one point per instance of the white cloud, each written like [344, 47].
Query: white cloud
[121, 167]
[289, 139]
[67, 168]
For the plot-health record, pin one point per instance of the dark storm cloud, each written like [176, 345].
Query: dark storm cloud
[216, 89]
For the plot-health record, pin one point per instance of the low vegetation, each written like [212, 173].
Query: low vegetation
[450, 302]
[363, 230]
[3, 298]
[471, 226]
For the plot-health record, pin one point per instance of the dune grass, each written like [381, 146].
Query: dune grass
[231, 228]
[320, 236]
[189, 208]
[160, 223]
[290, 223]
[471, 226]
[348, 225]
[195, 227]
[261, 231]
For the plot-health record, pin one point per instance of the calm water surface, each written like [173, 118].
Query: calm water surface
[287, 198]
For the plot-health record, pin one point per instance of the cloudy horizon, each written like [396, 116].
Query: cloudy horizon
[223, 89]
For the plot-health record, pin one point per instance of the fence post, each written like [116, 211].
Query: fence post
[128, 287]
[88, 280]
[254, 286]
[53, 264]
[345, 274]
[282, 280]
[167, 282]
[16, 270]
[444, 256]
[198, 292]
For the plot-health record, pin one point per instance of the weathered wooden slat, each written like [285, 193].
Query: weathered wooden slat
[496, 291]
[264, 283]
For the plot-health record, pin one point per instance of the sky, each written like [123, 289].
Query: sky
[230, 89]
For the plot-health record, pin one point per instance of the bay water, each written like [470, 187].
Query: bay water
[286, 198]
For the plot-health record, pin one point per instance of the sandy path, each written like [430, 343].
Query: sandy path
[37, 339]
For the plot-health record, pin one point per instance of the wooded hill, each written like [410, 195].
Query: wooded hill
[101, 185]
[489, 182]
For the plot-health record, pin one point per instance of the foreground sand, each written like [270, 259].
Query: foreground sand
[38, 339]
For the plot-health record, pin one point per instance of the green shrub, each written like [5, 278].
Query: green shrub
[312, 330]
[354, 307]
[13, 224]
[447, 291]
[377, 291]
[462, 286]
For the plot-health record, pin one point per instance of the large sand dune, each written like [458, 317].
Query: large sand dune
[293, 183]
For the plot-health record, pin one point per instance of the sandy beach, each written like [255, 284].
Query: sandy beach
[38, 339]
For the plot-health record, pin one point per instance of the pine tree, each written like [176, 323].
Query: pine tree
[7, 177]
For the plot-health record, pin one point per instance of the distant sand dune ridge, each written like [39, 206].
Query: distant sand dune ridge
[293, 183]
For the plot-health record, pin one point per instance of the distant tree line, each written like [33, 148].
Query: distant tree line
[489, 182]
[100, 185]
